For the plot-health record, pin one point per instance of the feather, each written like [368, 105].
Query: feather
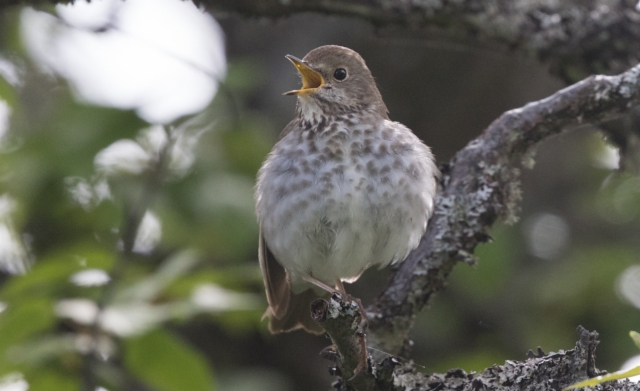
[298, 315]
[276, 280]
[286, 312]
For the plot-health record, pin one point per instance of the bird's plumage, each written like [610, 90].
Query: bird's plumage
[344, 189]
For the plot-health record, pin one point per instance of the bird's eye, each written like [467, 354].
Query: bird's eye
[340, 74]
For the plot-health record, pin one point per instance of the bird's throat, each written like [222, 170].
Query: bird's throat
[310, 109]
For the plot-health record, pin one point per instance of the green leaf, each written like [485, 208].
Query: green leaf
[35, 352]
[148, 288]
[52, 380]
[601, 379]
[167, 363]
[50, 275]
[245, 149]
[7, 93]
[18, 324]
[635, 336]
[235, 277]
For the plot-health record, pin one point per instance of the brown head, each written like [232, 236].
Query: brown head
[336, 80]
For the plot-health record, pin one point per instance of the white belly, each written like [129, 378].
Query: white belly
[333, 218]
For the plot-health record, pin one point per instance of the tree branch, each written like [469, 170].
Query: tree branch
[552, 371]
[481, 184]
[341, 320]
[577, 38]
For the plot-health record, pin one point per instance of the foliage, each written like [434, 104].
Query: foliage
[117, 232]
[72, 207]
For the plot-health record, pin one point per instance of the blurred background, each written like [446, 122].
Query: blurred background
[130, 136]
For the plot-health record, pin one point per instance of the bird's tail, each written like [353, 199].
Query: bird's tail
[297, 316]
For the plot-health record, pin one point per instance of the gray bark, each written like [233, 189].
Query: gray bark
[541, 371]
[577, 38]
[479, 186]
[481, 183]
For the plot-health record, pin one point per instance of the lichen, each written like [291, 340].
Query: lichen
[528, 160]
[602, 93]
[629, 82]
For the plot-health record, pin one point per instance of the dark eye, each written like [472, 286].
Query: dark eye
[340, 74]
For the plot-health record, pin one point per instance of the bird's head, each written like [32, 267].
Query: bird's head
[336, 80]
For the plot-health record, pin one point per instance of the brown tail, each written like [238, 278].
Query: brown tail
[297, 315]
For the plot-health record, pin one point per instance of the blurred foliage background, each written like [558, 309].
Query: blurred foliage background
[128, 245]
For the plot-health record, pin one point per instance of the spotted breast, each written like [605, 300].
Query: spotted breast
[344, 189]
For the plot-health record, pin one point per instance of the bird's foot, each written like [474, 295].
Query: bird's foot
[339, 289]
[363, 360]
[364, 321]
[330, 353]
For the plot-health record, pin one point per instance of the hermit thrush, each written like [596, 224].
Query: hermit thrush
[344, 188]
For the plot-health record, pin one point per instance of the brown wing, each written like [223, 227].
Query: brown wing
[298, 315]
[276, 281]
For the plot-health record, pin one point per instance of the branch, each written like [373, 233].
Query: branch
[481, 184]
[576, 37]
[341, 320]
[552, 371]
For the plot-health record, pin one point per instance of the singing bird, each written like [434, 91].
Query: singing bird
[344, 188]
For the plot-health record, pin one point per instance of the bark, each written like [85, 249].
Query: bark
[479, 186]
[541, 371]
[577, 38]
[481, 183]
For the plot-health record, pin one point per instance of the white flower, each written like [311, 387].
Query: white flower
[211, 297]
[83, 311]
[90, 277]
[131, 319]
[149, 234]
[123, 156]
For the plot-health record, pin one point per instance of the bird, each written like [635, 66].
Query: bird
[343, 189]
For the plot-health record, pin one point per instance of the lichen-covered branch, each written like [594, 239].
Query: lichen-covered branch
[553, 371]
[577, 38]
[481, 184]
[341, 320]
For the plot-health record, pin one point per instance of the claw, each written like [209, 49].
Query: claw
[364, 322]
[330, 353]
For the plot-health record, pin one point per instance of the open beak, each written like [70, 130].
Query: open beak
[311, 80]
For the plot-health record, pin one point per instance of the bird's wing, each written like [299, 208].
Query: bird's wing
[276, 280]
[288, 129]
